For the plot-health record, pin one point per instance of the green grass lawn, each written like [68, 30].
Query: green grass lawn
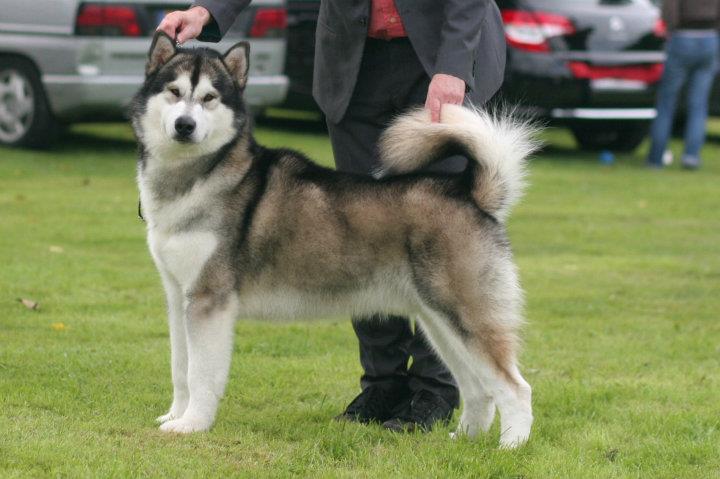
[621, 266]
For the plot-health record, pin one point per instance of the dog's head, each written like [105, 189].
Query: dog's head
[190, 104]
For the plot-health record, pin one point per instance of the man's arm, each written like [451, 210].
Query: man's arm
[207, 20]
[223, 13]
[456, 55]
[460, 38]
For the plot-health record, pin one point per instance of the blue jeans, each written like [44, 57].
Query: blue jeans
[692, 59]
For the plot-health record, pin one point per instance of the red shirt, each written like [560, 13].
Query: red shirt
[385, 21]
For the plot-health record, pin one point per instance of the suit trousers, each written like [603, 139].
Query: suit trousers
[391, 79]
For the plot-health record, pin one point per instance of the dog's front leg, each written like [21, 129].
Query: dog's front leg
[178, 347]
[209, 326]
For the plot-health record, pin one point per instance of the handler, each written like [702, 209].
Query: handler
[374, 59]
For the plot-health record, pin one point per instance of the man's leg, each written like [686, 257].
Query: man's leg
[671, 83]
[383, 342]
[427, 371]
[698, 94]
[391, 80]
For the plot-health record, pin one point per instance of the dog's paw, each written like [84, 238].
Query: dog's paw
[185, 425]
[512, 441]
[177, 409]
[516, 434]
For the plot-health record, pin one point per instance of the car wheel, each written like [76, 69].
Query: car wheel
[25, 117]
[616, 136]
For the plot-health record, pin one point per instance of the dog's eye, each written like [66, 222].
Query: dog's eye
[175, 91]
[208, 97]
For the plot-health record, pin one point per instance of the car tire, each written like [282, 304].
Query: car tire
[616, 136]
[25, 116]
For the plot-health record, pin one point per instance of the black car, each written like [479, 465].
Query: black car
[591, 65]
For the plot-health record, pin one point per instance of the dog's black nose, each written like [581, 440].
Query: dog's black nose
[184, 126]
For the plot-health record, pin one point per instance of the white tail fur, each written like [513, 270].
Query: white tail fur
[498, 143]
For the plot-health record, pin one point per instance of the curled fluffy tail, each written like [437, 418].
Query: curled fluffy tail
[497, 143]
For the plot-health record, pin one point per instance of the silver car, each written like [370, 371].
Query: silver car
[64, 61]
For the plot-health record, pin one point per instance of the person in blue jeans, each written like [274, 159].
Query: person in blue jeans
[692, 58]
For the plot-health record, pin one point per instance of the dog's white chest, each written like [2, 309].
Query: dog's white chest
[183, 255]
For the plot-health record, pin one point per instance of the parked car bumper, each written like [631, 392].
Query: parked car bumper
[75, 97]
[545, 86]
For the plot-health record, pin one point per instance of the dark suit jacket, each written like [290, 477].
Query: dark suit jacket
[463, 38]
[705, 12]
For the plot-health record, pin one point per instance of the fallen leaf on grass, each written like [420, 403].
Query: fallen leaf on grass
[29, 303]
[56, 249]
[58, 326]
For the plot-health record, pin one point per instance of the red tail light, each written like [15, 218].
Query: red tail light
[269, 23]
[643, 73]
[107, 20]
[660, 28]
[530, 31]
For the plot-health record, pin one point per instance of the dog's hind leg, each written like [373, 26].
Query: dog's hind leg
[492, 317]
[478, 410]
[210, 323]
[178, 349]
[486, 370]
[511, 393]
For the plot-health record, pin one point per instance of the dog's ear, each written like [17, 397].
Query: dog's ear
[161, 51]
[237, 61]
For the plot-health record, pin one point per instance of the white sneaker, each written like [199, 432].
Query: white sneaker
[690, 162]
[667, 158]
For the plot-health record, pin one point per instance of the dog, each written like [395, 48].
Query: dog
[239, 230]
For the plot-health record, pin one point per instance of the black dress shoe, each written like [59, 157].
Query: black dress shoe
[375, 404]
[421, 413]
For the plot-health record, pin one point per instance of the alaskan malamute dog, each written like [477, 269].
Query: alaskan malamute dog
[240, 230]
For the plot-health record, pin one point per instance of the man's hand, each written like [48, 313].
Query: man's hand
[185, 25]
[443, 89]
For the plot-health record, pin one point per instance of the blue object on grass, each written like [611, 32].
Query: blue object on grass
[607, 157]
